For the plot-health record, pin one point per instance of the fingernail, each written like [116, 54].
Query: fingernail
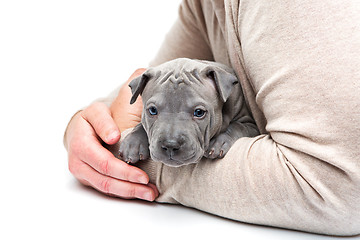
[143, 180]
[112, 136]
[148, 196]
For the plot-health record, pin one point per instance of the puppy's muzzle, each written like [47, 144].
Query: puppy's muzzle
[175, 150]
[172, 147]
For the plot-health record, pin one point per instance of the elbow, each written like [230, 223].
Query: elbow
[345, 224]
[339, 214]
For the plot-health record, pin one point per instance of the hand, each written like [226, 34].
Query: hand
[125, 115]
[95, 166]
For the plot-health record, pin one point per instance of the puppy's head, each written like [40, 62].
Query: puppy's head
[182, 111]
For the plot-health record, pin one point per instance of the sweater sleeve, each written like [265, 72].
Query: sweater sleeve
[262, 182]
[303, 172]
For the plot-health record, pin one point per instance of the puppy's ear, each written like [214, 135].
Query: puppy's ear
[224, 79]
[138, 84]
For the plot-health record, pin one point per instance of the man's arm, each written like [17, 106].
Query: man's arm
[304, 172]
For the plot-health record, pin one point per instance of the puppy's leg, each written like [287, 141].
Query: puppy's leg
[220, 144]
[135, 146]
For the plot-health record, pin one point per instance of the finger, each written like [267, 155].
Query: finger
[152, 186]
[99, 117]
[113, 186]
[103, 161]
[156, 191]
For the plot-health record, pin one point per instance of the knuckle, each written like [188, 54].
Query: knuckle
[99, 120]
[93, 109]
[125, 175]
[130, 191]
[84, 113]
[96, 106]
[105, 185]
[124, 170]
[100, 126]
[104, 166]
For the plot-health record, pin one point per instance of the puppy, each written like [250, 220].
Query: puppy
[192, 109]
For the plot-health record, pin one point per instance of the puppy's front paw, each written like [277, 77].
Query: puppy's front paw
[219, 146]
[134, 148]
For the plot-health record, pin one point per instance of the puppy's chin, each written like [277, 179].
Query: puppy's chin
[193, 158]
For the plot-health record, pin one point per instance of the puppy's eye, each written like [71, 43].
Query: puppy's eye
[153, 111]
[199, 113]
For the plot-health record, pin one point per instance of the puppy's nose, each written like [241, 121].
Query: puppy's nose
[171, 145]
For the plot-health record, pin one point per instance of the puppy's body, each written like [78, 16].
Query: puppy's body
[192, 109]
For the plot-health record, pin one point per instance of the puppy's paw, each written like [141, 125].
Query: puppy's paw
[134, 148]
[219, 146]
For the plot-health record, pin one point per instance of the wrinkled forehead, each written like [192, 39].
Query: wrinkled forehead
[180, 91]
[179, 66]
[181, 81]
[181, 71]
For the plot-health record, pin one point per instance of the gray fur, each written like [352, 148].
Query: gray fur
[174, 135]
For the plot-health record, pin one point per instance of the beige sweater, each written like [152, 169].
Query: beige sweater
[299, 66]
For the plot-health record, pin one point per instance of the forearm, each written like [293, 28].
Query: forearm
[257, 183]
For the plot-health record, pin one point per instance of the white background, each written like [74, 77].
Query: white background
[56, 57]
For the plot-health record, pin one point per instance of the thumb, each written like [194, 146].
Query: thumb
[99, 117]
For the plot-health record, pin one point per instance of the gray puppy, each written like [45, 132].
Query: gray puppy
[192, 109]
